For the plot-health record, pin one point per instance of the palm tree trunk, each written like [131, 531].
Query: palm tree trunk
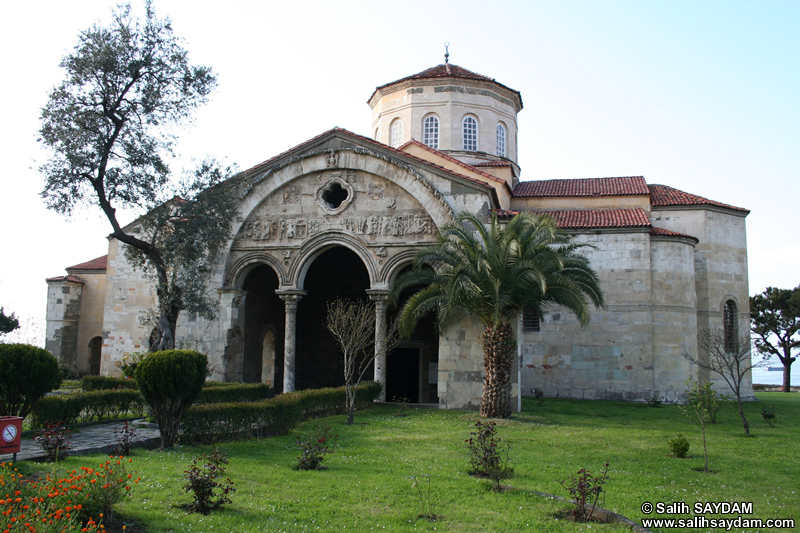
[498, 359]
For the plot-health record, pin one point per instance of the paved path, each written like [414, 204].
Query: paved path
[88, 439]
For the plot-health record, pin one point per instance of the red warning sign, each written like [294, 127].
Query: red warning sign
[10, 434]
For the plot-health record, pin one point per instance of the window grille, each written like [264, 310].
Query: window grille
[530, 319]
[430, 132]
[470, 134]
[730, 326]
[501, 140]
[396, 134]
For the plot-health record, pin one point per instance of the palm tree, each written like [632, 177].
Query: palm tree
[494, 271]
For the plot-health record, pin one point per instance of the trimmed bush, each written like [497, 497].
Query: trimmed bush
[225, 421]
[93, 383]
[28, 373]
[170, 381]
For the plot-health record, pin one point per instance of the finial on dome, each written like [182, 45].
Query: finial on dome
[447, 57]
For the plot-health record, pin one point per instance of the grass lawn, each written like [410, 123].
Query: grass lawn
[367, 487]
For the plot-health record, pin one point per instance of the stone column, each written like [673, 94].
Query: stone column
[230, 338]
[290, 298]
[379, 296]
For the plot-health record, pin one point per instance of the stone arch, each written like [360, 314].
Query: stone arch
[395, 264]
[319, 244]
[334, 272]
[263, 183]
[261, 319]
[238, 271]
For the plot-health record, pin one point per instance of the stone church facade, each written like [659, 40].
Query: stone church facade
[343, 215]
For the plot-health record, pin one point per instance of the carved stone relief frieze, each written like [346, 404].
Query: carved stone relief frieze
[336, 200]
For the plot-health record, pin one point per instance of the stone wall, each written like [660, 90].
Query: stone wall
[128, 295]
[631, 348]
[720, 262]
[91, 322]
[63, 320]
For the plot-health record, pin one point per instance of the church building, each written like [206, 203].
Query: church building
[343, 215]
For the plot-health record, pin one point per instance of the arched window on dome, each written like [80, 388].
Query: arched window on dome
[501, 140]
[377, 134]
[470, 134]
[730, 326]
[430, 131]
[396, 133]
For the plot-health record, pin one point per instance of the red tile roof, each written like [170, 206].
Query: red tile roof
[493, 164]
[99, 263]
[446, 71]
[668, 233]
[73, 279]
[624, 186]
[272, 160]
[664, 195]
[593, 218]
[471, 168]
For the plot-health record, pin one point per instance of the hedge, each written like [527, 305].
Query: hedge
[87, 407]
[276, 416]
[92, 383]
[216, 392]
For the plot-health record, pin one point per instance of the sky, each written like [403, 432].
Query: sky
[700, 95]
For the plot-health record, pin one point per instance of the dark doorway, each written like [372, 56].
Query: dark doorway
[262, 360]
[95, 350]
[402, 375]
[337, 272]
[412, 369]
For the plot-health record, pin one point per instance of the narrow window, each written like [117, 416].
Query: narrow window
[470, 134]
[377, 134]
[530, 319]
[430, 132]
[501, 140]
[396, 133]
[730, 326]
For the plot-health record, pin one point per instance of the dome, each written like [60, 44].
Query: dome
[470, 116]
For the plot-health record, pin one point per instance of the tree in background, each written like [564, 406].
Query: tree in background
[8, 323]
[109, 127]
[352, 324]
[775, 319]
[730, 358]
[28, 373]
[494, 271]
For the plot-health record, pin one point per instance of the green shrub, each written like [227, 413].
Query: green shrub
[679, 446]
[93, 383]
[215, 392]
[202, 482]
[170, 382]
[87, 407]
[276, 416]
[28, 373]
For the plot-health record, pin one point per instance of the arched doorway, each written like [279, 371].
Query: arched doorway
[95, 350]
[412, 368]
[262, 360]
[337, 272]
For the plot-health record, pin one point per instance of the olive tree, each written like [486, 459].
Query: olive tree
[109, 128]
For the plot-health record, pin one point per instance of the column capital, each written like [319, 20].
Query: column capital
[378, 295]
[290, 295]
